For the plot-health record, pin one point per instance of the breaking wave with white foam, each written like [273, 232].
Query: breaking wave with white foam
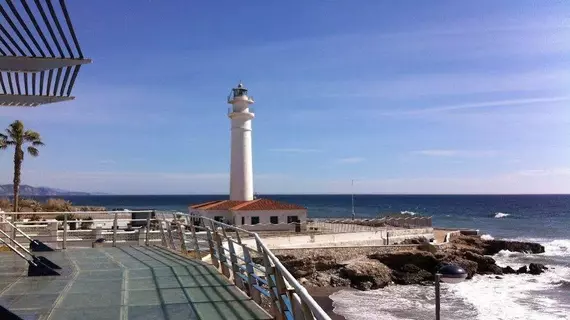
[487, 237]
[408, 212]
[514, 297]
[499, 215]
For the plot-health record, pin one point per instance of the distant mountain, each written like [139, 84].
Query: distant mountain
[25, 190]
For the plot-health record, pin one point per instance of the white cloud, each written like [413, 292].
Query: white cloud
[350, 160]
[544, 172]
[497, 103]
[294, 150]
[455, 153]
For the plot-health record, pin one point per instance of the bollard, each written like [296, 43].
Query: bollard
[64, 244]
[115, 230]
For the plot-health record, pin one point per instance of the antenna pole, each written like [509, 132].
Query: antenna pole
[352, 197]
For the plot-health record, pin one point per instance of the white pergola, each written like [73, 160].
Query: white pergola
[40, 56]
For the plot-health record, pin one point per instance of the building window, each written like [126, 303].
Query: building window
[254, 220]
[291, 219]
[242, 220]
[219, 218]
[274, 220]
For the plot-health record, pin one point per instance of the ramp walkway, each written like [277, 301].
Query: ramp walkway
[131, 282]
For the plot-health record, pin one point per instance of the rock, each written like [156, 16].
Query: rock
[485, 264]
[536, 268]
[337, 281]
[303, 280]
[494, 246]
[423, 260]
[297, 272]
[498, 277]
[366, 270]
[508, 270]
[495, 269]
[428, 247]
[322, 279]
[522, 269]
[411, 274]
[325, 263]
[364, 286]
[303, 267]
[418, 240]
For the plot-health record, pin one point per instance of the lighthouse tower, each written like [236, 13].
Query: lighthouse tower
[241, 171]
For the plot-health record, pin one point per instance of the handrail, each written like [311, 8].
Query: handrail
[316, 312]
[75, 212]
[301, 291]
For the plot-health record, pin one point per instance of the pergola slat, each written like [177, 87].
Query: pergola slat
[26, 48]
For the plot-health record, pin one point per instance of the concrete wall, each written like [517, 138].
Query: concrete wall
[212, 214]
[342, 253]
[345, 239]
[265, 219]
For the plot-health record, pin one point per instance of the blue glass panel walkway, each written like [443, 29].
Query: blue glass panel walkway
[122, 283]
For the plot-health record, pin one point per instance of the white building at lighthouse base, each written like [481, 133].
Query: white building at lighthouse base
[255, 215]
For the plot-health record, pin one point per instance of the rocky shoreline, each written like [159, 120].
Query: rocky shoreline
[406, 265]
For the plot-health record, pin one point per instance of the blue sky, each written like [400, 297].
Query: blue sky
[403, 96]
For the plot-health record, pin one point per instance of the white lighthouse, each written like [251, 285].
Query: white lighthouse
[241, 209]
[241, 171]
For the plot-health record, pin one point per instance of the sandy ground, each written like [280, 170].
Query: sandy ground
[439, 234]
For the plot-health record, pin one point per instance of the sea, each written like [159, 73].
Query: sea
[537, 218]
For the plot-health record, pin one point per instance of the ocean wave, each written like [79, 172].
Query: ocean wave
[499, 215]
[552, 247]
[408, 212]
[487, 237]
[519, 297]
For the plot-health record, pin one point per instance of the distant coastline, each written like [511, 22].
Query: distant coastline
[7, 190]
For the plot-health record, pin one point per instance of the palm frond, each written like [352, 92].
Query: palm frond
[34, 152]
[32, 136]
[10, 133]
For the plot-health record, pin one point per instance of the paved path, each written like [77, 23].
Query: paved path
[122, 283]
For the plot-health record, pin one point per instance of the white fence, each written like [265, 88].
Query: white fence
[369, 224]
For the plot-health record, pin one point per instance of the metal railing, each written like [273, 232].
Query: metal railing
[251, 266]
[398, 222]
[105, 226]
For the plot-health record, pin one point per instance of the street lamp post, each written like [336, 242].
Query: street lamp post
[449, 273]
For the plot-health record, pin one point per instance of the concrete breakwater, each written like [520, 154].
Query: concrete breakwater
[406, 221]
[374, 267]
[379, 237]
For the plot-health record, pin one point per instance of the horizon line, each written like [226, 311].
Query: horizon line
[98, 194]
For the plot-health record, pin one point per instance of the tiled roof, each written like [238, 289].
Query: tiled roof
[204, 204]
[253, 205]
[218, 205]
[267, 204]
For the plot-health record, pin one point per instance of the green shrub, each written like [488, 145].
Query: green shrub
[57, 205]
[87, 224]
[70, 217]
[5, 204]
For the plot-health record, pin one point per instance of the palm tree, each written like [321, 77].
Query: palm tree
[17, 136]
